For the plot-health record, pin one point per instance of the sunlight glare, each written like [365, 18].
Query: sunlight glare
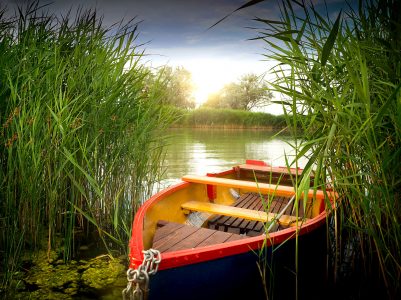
[210, 75]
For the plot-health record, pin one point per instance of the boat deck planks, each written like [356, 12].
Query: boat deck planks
[176, 233]
[163, 230]
[251, 228]
[173, 237]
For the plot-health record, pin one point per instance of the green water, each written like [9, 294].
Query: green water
[198, 151]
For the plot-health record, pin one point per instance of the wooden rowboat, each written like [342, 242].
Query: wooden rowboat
[212, 232]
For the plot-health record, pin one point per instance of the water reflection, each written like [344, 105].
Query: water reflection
[198, 151]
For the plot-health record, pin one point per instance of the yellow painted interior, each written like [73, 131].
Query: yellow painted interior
[169, 208]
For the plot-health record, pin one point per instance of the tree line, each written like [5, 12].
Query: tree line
[248, 93]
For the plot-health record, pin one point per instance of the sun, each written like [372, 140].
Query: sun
[209, 76]
[207, 82]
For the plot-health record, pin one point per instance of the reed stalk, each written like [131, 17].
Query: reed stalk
[341, 78]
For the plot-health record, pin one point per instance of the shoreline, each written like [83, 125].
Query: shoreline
[229, 127]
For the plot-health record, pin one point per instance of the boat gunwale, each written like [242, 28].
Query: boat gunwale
[197, 255]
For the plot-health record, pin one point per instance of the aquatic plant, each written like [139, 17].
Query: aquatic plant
[81, 141]
[342, 78]
[234, 118]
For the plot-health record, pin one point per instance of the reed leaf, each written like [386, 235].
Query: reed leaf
[328, 46]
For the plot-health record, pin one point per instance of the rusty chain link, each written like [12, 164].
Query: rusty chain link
[138, 279]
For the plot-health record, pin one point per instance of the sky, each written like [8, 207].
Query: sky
[175, 32]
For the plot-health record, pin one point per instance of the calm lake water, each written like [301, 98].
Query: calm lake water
[198, 151]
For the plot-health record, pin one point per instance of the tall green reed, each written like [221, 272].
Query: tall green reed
[81, 137]
[341, 79]
[205, 116]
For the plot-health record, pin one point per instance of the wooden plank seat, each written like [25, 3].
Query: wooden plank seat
[263, 188]
[269, 174]
[270, 169]
[239, 225]
[251, 214]
[171, 236]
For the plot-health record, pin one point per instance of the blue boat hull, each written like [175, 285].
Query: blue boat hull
[238, 276]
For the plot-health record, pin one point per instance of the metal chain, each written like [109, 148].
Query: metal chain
[138, 279]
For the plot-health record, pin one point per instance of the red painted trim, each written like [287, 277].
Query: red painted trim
[190, 256]
[221, 174]
[211, 189]
[256, 162]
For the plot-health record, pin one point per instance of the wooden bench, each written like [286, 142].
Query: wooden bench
[270, 169]
[269, 174]
[263, 188]
[237, 212]
[238, 225]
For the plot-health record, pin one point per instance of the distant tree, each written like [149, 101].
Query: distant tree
[178, 86]
[216, 100]
[250, 92]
